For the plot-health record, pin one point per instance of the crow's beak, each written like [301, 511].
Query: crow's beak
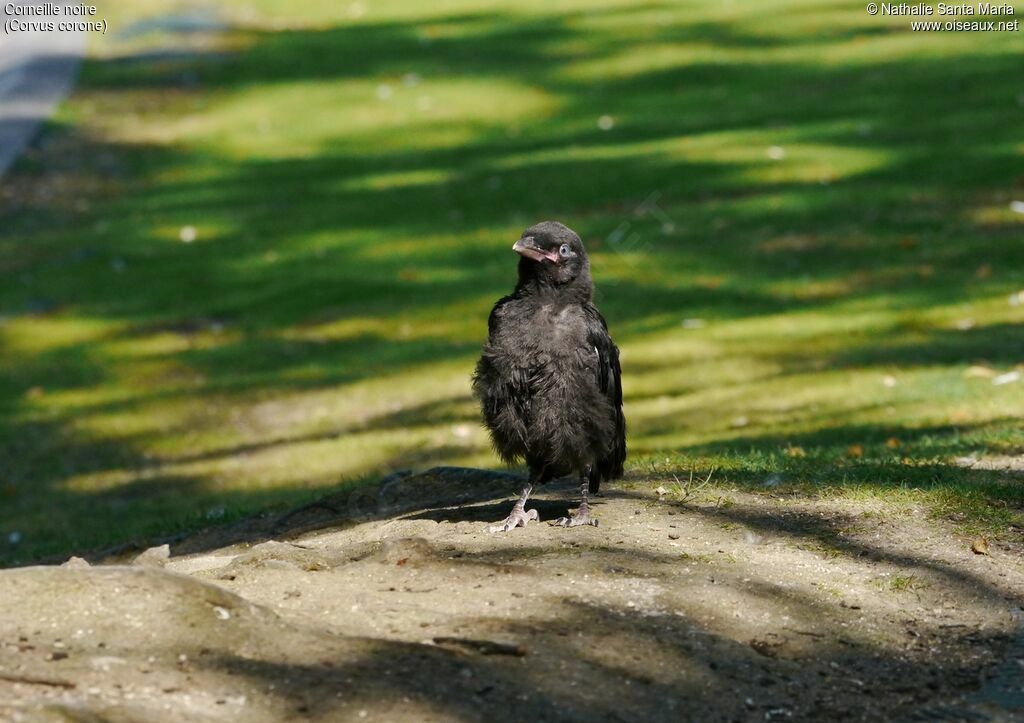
[526, 246]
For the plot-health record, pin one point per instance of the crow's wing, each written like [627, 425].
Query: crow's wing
[502, 397]
[610, 382]
[494, 319]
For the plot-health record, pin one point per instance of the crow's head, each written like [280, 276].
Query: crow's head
[552, 254]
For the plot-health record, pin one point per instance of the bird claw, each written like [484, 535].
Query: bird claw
[517, 518]
[581, 517]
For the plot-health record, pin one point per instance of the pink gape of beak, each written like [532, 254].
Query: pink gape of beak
[527, 247]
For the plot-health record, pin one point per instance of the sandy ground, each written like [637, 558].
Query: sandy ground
[393, 604]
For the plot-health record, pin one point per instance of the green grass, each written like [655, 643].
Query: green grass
[906, 583]
[799, 219]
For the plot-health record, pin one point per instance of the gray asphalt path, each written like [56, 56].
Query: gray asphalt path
[37, 69]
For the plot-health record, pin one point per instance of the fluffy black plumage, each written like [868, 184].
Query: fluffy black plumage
[548, 380]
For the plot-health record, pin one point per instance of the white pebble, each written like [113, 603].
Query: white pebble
[1008, 378]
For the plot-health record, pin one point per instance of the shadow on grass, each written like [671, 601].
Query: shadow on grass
[297, 242]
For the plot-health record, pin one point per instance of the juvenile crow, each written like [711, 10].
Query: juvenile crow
[549, 381]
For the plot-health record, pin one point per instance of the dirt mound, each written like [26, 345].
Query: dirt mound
[141, 644]
[394, 604]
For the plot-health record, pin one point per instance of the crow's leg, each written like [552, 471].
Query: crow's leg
[582, 514]
[519, 515]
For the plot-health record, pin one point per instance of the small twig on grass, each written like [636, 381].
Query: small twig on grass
[685, 490]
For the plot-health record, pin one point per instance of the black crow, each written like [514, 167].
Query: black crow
[548, 380]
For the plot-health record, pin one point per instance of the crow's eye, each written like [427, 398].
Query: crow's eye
[564, 250]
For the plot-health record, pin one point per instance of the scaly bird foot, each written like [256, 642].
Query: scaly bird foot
[517, 518]
[580, 517]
